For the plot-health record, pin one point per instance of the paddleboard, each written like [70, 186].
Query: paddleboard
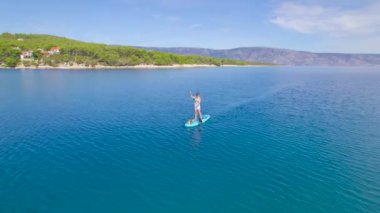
[196, 123]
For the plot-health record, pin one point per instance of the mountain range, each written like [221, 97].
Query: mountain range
[279, 56]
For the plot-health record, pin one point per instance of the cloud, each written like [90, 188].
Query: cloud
[316, 19]
[195, 26]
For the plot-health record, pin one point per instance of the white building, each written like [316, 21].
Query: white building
[54, 50]
[25, 55]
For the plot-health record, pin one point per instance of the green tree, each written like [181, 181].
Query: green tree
[37, 55]
[134, 60]
[7, 35]
[27, 63]
[11, 62]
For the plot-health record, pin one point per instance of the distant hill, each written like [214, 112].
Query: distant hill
[281, 56]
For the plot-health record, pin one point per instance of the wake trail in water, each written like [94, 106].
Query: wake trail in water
[249, 100]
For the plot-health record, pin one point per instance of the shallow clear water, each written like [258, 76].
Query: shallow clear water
[279, 140]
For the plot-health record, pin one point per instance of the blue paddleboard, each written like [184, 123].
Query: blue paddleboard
[196, 123]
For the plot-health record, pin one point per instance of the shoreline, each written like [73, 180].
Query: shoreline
[83, 67]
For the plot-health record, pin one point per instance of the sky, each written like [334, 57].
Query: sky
[347, 26]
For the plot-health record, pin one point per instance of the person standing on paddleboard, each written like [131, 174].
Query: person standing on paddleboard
[197, 106]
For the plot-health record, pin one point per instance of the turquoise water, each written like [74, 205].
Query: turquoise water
[279, 140]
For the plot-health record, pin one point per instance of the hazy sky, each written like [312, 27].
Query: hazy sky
[321, 26]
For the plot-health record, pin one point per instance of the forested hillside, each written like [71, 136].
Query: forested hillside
[35, 50]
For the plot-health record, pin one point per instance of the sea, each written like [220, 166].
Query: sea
[280, 139]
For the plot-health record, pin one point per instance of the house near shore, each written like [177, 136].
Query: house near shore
[26, 55]
[54, 51]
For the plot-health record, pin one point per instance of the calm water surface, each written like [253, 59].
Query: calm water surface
[279, 140]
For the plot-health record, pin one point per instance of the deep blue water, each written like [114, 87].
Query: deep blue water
[279, 140]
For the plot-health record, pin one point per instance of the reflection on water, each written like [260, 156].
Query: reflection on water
[196, 136]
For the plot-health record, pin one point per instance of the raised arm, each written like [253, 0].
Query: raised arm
[191, 95]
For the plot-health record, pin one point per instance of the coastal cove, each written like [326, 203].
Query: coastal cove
[280, 139]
